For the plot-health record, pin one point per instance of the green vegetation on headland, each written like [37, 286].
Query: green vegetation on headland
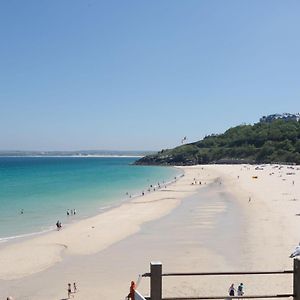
[277, 141]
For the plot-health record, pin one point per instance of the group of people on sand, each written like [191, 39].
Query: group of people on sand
[232, 291]
[155, 187]
[196, 182]
[151, 188]
[70, 289]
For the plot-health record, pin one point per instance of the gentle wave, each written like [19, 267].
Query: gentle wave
[25, 235]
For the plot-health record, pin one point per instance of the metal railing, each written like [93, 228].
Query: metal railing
[156, 275]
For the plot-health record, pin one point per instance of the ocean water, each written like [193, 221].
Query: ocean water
[46, 187]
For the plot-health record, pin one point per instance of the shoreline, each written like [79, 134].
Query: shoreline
[190, 227]
[9, 249]
[112, 204]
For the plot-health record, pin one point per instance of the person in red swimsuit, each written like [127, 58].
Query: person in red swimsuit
[131, 291]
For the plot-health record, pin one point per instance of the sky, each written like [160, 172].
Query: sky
[141, 75]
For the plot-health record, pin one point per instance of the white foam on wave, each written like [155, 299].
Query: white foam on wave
[9, 238]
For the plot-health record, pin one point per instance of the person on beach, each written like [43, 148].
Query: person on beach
[74, 211]
[58, 225]
[75, 287]
[68, 212]
[240, 290]
[231, 290]
[131, 291]
[69, 290]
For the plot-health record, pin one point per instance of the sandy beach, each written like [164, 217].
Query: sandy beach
[240, 217]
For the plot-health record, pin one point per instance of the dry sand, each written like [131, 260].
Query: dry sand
[231, 221]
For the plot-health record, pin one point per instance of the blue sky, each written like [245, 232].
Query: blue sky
[141, 75]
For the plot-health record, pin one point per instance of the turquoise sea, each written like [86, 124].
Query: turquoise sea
[46, 187]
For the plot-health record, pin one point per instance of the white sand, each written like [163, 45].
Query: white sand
[112, 248]
[271, 202]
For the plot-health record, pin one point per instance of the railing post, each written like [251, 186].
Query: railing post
[156, 281]
[296, 291]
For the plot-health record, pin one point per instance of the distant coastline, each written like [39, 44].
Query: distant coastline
[78, 156]
[79, 153]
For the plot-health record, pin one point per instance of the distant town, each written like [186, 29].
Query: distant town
[284, 116]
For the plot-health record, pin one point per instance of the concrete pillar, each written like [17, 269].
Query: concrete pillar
[156, 281]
